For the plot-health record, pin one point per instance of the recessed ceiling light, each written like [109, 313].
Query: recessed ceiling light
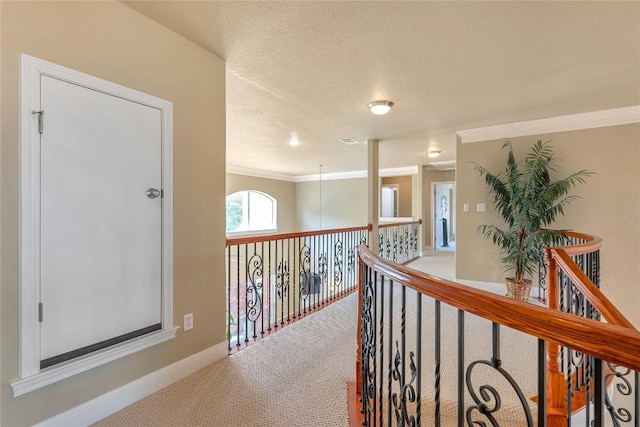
[380, 107]
[294, 139]
[434, 153]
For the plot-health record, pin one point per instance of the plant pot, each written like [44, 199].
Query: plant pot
[518, 290]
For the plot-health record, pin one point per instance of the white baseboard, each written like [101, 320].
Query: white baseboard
[113, 401]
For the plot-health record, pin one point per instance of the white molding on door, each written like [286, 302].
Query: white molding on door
[29, 344]
[434, 244]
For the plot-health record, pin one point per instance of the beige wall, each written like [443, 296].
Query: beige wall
[404, 193]
[428, 178]
[609, 207]
[283, 191]
[344, 204]
[113, 42]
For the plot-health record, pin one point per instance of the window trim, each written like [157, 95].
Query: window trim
[31, 377]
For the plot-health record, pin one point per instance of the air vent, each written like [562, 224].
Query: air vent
[349, 141]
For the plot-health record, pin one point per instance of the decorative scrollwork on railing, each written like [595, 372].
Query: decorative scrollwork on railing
[487, 399]
[282, 280]
[381, 245]
[337, 265]
[395, 246]
[624, 387]
[368, 346]
[416, 232]
[305, 270]
[406, 393]
[351, 259]
[323, 267]
[254, 287]
[407, 244]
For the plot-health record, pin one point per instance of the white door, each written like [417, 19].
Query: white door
[100, 234]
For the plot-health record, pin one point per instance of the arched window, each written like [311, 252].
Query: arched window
[249, 211]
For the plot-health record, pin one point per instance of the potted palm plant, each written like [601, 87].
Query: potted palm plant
[528, 201]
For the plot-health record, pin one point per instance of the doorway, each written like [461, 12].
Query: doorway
[443, 227]
[389, 201]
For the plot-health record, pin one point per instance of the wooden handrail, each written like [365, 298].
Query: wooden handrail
[612, 343]
[282, 236]
[592, 244]
[590, 290]
[396, 224]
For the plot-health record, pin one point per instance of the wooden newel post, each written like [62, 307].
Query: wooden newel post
[556, 382]
[359, 332]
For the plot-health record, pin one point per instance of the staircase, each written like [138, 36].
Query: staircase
[576, 360]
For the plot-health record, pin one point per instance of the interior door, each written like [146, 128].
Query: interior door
[100, 233]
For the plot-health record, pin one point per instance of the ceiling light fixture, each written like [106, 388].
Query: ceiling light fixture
[380, 107]
[434, 153]
[294, 139]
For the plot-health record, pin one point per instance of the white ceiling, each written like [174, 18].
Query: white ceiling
[312, 67]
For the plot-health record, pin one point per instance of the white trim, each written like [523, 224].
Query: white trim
[593, 119]
[115, 400]
[239, 170]
[408, 170]
[31, 69]
[49, 376]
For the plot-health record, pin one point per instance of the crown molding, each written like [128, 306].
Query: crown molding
[571, 122]
[260, 173]
[409, 170]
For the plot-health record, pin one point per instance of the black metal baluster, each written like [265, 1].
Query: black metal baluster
[437, 359]
[381, 368]
[542, 383]
[271, 287]
[419, 357]
[403, 319]
[296, 277]
[598, 394]
[587, 398]
[374, 344]
[229, 297]
[238, 300]
[265, 294]
[636, 409]
[389, 368]
[460, 368]
[569, 376]
[246, 287]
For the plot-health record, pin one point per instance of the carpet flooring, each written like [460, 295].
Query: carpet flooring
[298, 376]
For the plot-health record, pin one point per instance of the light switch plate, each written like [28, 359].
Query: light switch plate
[481, 207]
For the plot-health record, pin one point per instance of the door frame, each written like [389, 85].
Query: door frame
[432, 214]
[31, 377]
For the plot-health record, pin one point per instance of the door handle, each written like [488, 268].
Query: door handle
[152, 193]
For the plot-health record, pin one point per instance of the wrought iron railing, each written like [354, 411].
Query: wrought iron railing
[584, 250]
[399, 242]
[274, 280]
[573, 287]
[434, 352]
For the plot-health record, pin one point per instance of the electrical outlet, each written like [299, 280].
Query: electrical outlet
[188, 321]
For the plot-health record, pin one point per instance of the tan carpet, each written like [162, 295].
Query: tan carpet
[298, 376]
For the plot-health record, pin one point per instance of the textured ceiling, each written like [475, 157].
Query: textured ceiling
[312, 67]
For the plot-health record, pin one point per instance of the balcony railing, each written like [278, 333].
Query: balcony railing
[434, 352]
[276, 279]
[398, 242]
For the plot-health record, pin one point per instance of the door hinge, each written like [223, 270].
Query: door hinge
[40, 312]
[40, 120]
[162, 194]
